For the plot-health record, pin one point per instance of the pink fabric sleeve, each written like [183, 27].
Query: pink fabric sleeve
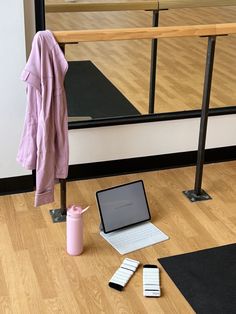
[61, 138]
[45, 165]
[26, 155]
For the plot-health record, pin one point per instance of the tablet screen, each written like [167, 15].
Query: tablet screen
[122, 206]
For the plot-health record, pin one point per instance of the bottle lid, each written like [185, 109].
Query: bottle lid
[74, 211]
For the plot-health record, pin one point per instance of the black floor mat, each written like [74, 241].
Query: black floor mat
[90, 93]
[206, 278]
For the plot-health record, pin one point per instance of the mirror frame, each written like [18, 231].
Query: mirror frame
[40, 24]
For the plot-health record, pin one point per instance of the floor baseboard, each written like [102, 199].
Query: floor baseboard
[23, 184]
[148, 163]
[14, 185]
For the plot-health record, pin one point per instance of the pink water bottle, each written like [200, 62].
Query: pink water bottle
[74, 230]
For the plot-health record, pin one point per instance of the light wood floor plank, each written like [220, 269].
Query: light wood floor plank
[3, 286]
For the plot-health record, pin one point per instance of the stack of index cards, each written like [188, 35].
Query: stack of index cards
[123, 274]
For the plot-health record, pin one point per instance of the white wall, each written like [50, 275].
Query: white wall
[12, 96]
[93, 144]
[155, 138]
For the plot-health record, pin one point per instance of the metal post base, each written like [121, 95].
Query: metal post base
[58, 215]
[193, 197]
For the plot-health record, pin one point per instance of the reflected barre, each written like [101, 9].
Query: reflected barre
[141, 5]
[181, 4]
[98, 7]
[68, 37]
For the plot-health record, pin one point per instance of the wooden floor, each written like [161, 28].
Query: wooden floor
[181, 61]
[37, 275]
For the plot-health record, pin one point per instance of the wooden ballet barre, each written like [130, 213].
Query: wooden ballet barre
[96, 7]
[180, 4]
[67, 37]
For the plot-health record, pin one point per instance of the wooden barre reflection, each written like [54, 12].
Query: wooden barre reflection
[96, 7]
[180, 4]
[126, 6]
[67, 37]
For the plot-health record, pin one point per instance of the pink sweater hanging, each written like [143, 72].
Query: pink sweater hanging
[44, 143]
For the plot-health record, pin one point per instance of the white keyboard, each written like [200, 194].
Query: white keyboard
[135, 237]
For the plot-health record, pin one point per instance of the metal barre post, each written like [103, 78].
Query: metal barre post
[204, 115]
[39, 15]
[155, 23]
[59, 215]
[63, 196]
[198, 194]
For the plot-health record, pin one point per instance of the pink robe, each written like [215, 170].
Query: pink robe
[44, 143]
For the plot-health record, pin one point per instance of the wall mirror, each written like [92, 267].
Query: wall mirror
[112, 79]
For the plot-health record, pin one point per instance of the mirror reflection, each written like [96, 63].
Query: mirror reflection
[111, 79]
